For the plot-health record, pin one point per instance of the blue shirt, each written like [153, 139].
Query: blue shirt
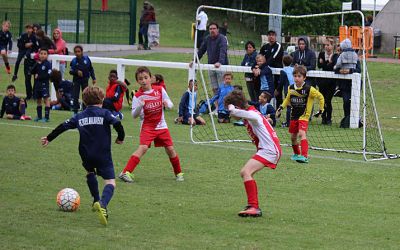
[223, 90]
[186, 106]
[94, 129]
[10, 106]
[43, 70]
[83, 64]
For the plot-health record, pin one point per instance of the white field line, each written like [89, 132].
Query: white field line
[226, 147]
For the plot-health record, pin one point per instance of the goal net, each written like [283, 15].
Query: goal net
[357, 132]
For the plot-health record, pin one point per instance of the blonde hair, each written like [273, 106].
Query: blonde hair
[261, 56]
[93, 95]
[6, 22]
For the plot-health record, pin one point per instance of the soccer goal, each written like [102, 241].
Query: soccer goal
[361, 135]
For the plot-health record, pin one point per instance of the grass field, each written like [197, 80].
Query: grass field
[337, 201]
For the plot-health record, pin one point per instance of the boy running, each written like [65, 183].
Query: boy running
[301, 98]
[148, 104]
[6, 41]
[266, 141]
[93, 125]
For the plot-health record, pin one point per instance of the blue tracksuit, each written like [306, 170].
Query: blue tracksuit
[223, 90]
[10, 106]
[5, 40]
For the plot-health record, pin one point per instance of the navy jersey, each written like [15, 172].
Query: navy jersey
[65, 87]
[83, 64]
[24, 39]
[10, 106]
[5, 40]
[43, 70]
[93, 125]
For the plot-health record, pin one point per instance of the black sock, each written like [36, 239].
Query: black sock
[93, 185]
[47, 112]
[7, 64]
[39, 112]
[108, 192]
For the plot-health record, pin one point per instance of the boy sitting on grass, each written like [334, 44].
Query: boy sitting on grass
[12, 106]
[187, 107]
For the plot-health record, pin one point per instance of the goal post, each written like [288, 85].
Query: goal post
[364, 135]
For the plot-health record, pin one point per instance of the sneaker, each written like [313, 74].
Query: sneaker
[101, 212]
[45, 120]
[14, 78]
[37, 119]
[179, 177]
[294, 157]
[126, 177]
[239, 123]
[250, 211]
[285, 124]
[25, 117]
[302, 159]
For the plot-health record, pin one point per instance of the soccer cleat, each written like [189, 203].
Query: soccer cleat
[302, 159]
[239, 123]
[8, 70]
[14, 78]
[294, 157]
[45, 120]
[101, 212]
[25, 117]
[37, 119]
[126, 177]
[179, 177]
[250, 211]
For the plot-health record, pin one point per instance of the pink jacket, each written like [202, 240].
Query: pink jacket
[60, 44]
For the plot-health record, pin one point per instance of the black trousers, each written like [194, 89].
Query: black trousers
[78, 85]
[327, 88]
[18, 62]
[143, 34]
[345, 89]
[200, 37]
[28, 65]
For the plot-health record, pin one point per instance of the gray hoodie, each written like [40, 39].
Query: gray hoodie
[348, 58]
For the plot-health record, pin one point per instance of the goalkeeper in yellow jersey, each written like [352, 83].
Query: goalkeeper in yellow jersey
[301, 98]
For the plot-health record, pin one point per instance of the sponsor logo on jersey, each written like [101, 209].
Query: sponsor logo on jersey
[91, 121]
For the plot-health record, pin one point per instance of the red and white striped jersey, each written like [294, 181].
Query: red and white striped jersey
[149, 106]
[261, 132]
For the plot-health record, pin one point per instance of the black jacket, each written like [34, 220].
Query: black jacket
[273, 54]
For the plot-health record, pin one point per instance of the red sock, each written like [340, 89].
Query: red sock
[296, 149]
[176, 164]
[304, 147]
[132, 163]
[252, 194]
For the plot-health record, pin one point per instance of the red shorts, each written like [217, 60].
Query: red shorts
[161, 138]
[296, 125]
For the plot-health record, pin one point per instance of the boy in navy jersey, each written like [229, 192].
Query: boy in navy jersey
[6, 41]
[81, 69]
[93, 125]
[12, 106]
[41, 88]
[63, 91]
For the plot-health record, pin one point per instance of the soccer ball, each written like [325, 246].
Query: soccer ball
[68, 200]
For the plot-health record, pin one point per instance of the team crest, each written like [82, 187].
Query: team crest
[43, 67]
[84, 61]
[156, 93]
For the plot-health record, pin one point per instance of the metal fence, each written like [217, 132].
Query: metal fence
[81, 21]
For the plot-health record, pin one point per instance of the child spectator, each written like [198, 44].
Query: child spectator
[326, 61]
[286, 79]
[81, 68]
[148, 104]
[187, 107]
[93, 125]
[267, 144]
[12, 106]
[347, 63]
[45, 42]
[224, 89]
[115, 93]
[63, 91]
[61, 48]
[6, 41]
[158, 80]
[265, 108]
[301, 97]
[264, 75]
[249, 60]
[41, 88]
[26, 44]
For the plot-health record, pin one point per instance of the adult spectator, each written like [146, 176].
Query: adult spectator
[45, 42]
[249, 60]
[273, 52]
[202, 20]
[217, 51]
[148, 16]
[326, 61]
[61, 48]
[304, 56]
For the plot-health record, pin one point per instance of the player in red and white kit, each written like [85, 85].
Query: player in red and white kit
[148, 104]
[266, 141]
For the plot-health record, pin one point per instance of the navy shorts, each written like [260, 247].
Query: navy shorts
[2, 47]
[103, 168]
[41, 90]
